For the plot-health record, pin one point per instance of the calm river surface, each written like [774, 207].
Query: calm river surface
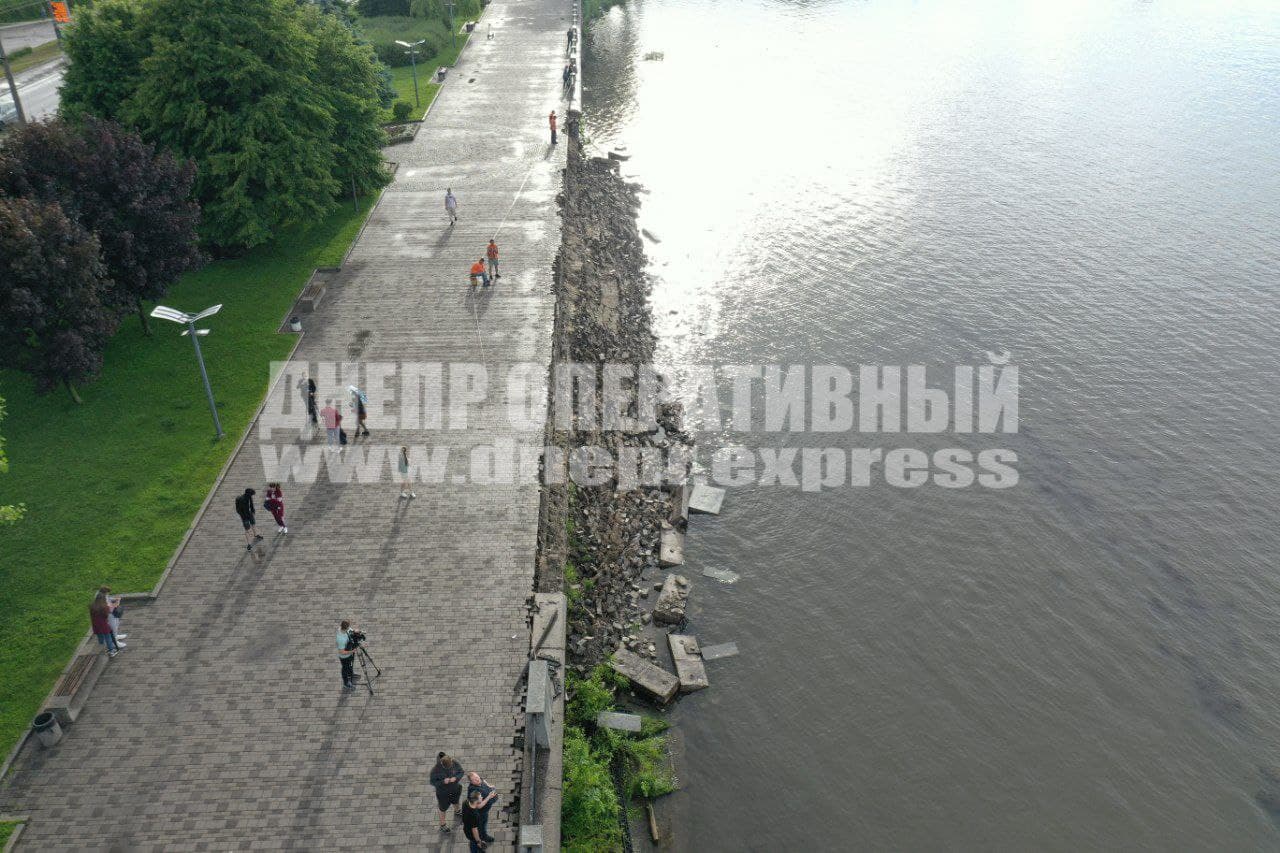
[1090, 659]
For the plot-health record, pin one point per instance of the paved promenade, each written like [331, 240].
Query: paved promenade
[223, 725]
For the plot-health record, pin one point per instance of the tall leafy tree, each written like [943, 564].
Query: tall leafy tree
[228, 83]
[239, 87]
[135, 200]
[53, 320]
[106, 48]
[347, 73]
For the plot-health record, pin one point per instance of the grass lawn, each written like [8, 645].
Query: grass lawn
[111, 485]
[20, 61]
[402, 79]
[387, 29]
[6, 829]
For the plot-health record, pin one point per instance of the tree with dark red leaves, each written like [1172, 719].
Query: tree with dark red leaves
[135, 200]
[53, 322]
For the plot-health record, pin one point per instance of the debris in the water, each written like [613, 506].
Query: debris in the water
[723, 650]
[671, 548]
[706, 499]
[688, 660]
[654, 56]
[646, 232]
[722, 575]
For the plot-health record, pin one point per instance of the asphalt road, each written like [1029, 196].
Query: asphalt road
[16, 36]
[39, 91]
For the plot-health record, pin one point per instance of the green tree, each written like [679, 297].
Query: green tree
[105, 48]
[347, 73]
[275, 101]
[11, 513]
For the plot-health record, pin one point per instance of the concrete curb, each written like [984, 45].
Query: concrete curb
[21, 821]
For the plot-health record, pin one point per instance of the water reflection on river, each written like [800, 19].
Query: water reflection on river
[1089, 659]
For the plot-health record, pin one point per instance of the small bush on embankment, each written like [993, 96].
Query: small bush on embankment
[590, 812]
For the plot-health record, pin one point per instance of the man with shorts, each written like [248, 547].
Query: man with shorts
[446, 776]
[244, 509]
[478, 274]
[491, 252]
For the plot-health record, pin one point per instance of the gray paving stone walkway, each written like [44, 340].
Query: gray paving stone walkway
[223, 726]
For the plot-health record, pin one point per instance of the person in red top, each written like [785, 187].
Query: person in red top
[478, 273]
[99, 618]
[274, 504]
[552, 119]
[492, 254]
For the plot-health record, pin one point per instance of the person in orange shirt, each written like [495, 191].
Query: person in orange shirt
[478, 273]
[492, 254]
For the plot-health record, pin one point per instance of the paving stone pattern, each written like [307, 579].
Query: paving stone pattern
[223, 724]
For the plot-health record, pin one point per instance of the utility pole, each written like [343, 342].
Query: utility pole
[453, 28]
[53, 19]
[13, 87]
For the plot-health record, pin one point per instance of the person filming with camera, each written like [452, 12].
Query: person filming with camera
[349, 637]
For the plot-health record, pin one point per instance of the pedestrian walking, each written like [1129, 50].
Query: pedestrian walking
[99, 614]
[307, 387]
[451, 206]
[491, 253]
[471, 822]
[332, 421]
[115, 612]
[358, 402]
[446, 776]
[564, 76]
[482, 803]
[346, 655]
[274, 504]
[402, 465]
[244, 509]
[552, 120]
[478, 275]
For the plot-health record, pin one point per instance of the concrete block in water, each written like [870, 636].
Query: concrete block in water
[655, 681]
[621, 722]
[723, 650]
[671, 548]
[671, 601]
[688, 660]
[706, 499]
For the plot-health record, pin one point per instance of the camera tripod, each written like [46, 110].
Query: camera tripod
[366, 661]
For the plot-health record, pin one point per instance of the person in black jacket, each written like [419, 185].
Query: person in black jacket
[244, 509]
[446, 776]
[471, 821]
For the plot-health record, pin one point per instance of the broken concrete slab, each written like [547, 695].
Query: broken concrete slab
[621, 722]
[680, 503]
[723, 650]
[653, 680]
[671, 550]
[688, 660]
[671, 601]
[722, 575]
[706, 499]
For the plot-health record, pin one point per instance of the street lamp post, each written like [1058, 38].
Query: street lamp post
[453, 29]
[413, 60]
[160, 312]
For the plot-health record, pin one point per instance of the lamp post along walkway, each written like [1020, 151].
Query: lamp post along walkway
[160, 312]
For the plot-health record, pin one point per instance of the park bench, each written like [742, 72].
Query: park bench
[72, 690]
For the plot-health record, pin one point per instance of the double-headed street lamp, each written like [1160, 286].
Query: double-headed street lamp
[413, 60]
[160, 312]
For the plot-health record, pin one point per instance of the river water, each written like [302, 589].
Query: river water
[1090, 659]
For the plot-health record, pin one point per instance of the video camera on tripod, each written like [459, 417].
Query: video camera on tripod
[355, 643]
[354, 639]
